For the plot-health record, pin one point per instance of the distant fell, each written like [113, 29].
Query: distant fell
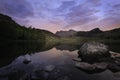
[66, 33]
[96, 33]
[110, 34]
[95, 30]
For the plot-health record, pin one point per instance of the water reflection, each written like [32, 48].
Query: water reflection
[10, 51]
[40, 60]
[46, 63]
[67, 47]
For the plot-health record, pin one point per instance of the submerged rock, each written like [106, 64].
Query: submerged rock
[117, 61]
[40, 75]
[93, 51]
[49, 68]
[64, 78]
[114, 54]
[101, 66]
[77, 59]
[18, 75]
[85, 66]
[114, 67]
[117, 74]
[27, 59]
[93, 68]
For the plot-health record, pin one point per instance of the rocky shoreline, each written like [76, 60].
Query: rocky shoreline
[95, 57]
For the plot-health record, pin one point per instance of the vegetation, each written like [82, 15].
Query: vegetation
[11, 31]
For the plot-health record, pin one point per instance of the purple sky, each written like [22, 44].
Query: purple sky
[55, 15]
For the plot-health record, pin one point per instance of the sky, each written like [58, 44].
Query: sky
[56, 15]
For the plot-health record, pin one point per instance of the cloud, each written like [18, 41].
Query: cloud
[111, 15]
[52, 10]
[67, 13]
[72, 12]
[65, 6]
[16, 8]
[81, 14]
[94, 2]
[64, 14]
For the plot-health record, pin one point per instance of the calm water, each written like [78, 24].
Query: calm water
[60, 57]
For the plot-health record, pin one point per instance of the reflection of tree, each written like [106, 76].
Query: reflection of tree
[67, 47]
[10, 51]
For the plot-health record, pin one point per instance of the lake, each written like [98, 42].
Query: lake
[49, 63]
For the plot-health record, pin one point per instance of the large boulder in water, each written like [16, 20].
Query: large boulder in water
[93, 51]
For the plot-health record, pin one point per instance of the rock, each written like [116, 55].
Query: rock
[91, 68]
[64, 78]
[114, 67]
[101, 66]
[93, 51]
[40, 75]
[117, 74]
[114, 54]
[49, 68]
[77, 59]
[85, 66]
[27, 59]
[117, 61]
[18, 75]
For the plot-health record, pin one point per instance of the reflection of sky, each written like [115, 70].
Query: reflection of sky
[50, 57]
[62, 60]
[56, 15]
[54, 56]
[41, 59]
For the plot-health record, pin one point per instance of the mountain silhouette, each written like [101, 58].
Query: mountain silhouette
[10, 30]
